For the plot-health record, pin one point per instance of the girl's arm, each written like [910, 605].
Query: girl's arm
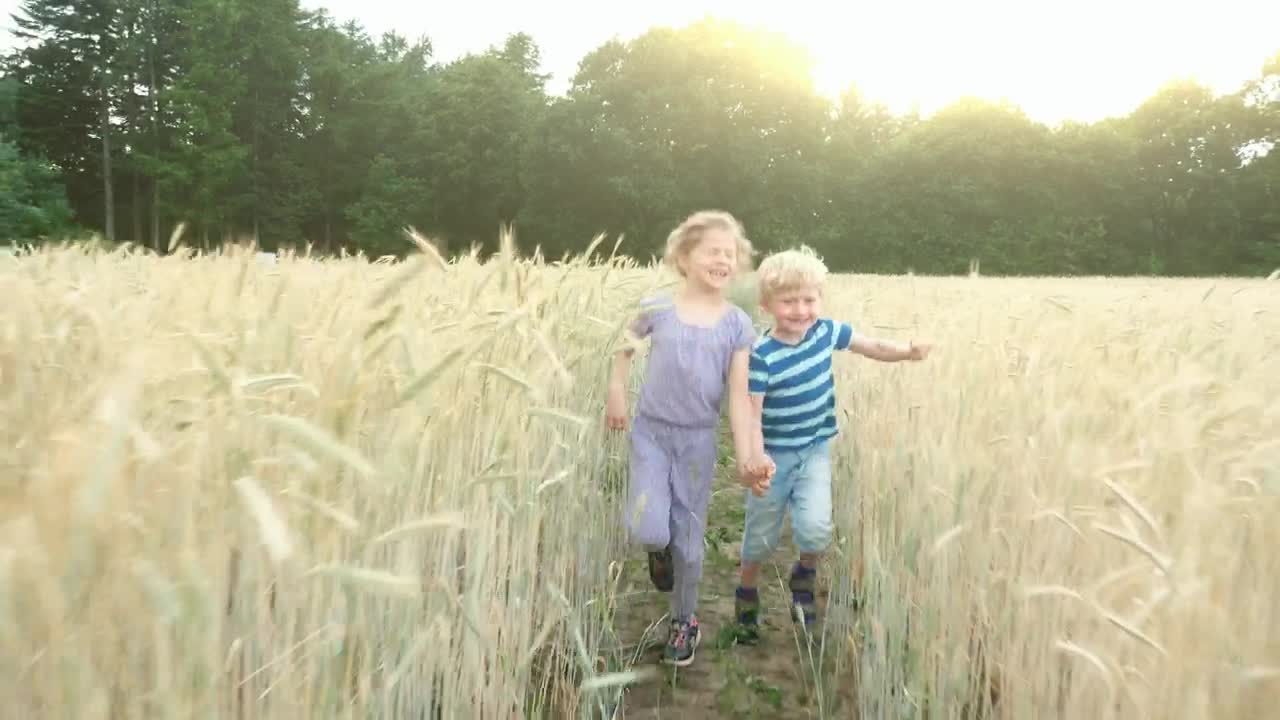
[620, 374]
[756, 470]
[621, 367]
[757, 427]
[616, 400]
[742, 421]
[615, 409]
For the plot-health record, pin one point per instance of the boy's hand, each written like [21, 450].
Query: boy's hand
[918, 351]
[616, 408]
[761, 486]
[889, 350]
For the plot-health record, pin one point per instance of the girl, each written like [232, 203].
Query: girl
[700, 343]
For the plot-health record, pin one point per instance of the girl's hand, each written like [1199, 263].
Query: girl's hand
[918, 351]
[762, 471]
[757, 474]
[762, 466]
[616, 408]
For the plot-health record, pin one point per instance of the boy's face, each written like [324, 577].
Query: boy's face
[794, 311]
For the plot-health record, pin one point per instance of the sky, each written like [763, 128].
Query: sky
[1057, 59]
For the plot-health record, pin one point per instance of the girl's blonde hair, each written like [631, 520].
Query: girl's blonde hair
[791, 270]
[689, 233]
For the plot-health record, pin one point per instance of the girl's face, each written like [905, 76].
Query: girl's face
[712, 261]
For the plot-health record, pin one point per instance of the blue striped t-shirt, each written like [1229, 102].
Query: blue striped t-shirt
[797, 384]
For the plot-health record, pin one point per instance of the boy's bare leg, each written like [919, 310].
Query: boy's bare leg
[746, 603]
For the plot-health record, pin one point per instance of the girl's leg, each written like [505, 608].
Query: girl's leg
[692, 476]
[691, 480]
[648, 511]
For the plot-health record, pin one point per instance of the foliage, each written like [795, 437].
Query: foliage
[34, 203]
[264, 120]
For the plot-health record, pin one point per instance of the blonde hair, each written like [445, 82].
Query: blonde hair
[791, 270]
[689, 233]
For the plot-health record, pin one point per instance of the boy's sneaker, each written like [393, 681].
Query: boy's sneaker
[660, 570]
[803, 584]
[746, 607]
[682, 641]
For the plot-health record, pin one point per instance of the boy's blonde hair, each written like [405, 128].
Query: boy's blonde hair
[790, 270]
[689, 233]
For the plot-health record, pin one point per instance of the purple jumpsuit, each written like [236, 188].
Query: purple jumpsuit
[673, 438]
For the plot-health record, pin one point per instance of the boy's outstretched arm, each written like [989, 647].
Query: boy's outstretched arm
[888, 350]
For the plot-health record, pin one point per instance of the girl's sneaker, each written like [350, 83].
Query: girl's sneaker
[660, 570]
[746, 607]
[803, 584]
[682, 641]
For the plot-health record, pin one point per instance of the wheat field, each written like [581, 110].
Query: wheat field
[350, 489]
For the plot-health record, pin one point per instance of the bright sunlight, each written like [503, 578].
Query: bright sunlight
[1081, 60]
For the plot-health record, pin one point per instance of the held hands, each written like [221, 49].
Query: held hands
[756, 473]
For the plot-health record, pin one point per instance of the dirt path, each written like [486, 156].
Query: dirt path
[778, 678]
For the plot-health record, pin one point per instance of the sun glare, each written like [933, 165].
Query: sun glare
[1082, 60]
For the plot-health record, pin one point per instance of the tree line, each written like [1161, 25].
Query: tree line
[258, 119]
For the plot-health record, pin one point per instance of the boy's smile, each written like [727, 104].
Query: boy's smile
[794, 312]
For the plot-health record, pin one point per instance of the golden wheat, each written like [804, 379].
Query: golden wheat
[311, 489]
[336, 488]
[1067, 510]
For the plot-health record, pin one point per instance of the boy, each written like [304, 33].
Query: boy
[793, 402]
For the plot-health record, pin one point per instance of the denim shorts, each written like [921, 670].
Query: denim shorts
[801, 484]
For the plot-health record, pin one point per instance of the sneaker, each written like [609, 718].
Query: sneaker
[803, 584]
[746, 608]
[682, 641]
[660, 569]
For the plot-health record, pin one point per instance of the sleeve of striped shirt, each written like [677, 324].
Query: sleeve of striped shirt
[843, 333]
[757, 374]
